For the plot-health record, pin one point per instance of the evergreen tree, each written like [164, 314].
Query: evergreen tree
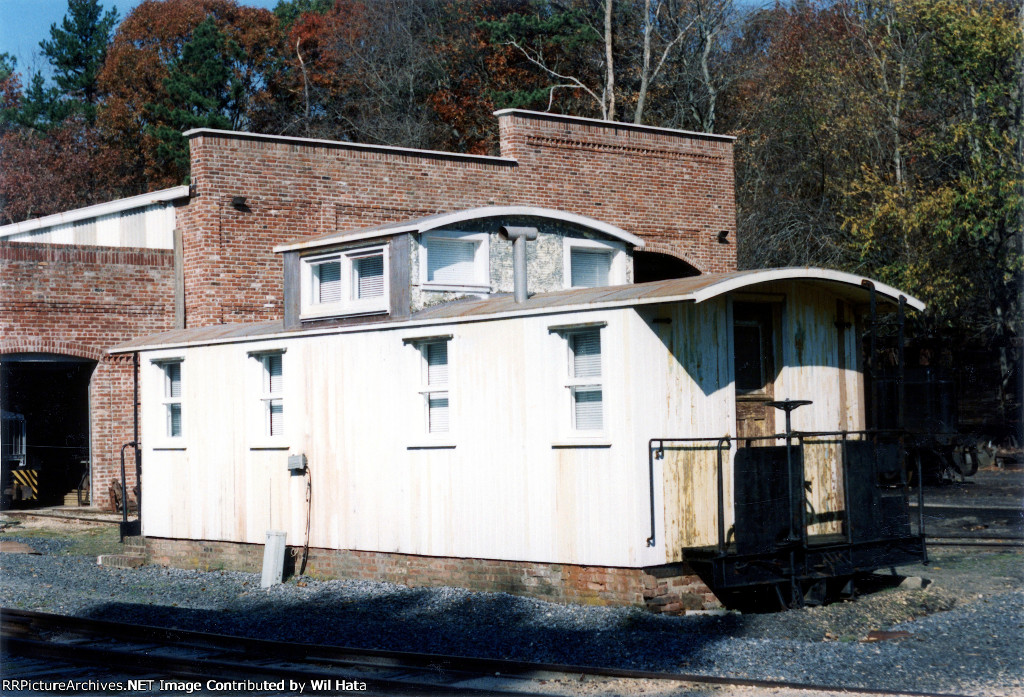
[40, 106]
[10, 92]
[76, 51]
[203, 91]
[289, 11]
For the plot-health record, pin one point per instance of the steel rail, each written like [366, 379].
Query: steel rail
[324, 658]
[1003, 542]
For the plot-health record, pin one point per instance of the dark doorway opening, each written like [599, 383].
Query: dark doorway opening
[655, 266]
[45, 397]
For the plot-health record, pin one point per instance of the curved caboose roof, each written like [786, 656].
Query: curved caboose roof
[690, 289]
[441, 220]
[728, 282]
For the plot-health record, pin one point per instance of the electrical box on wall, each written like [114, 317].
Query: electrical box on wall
[296, 464]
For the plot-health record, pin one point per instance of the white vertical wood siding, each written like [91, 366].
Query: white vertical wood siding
[516, 485]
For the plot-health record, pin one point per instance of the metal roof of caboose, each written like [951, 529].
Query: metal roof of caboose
[691, 289]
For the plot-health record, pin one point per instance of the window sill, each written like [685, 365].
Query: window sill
[341, 311]
[466, 288]
[270, 446]
[169, 447]
[582, 443]
[431, 446]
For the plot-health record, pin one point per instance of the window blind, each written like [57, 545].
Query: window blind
[437, 403]
[174, 420]
[328, 276]
[173, 372]
[369, 276]
[275, 373]
[586, 354]
[437, 363]
[589, 269]
[588, 414]
[275, 417]
[450, 261]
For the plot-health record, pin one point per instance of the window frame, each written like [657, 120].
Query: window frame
[616, 265]
[431, 389]
[424, 437]
[585, 383]
[262, 400]
[571, 384]
[481, 281]
[348, 303]
[162, 419]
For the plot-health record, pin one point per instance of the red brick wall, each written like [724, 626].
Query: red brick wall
[673, 189]
[80, 301]
[669, 589]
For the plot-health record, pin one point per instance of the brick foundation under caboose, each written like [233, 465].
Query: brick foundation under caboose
[670, 589]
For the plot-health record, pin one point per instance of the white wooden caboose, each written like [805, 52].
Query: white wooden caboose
[443, 422]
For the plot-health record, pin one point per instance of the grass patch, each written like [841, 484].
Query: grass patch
[1004, 563]
[91, 541]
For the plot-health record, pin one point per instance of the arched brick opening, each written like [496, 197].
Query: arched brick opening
[659, 263]
[44, 345]
[45, 389]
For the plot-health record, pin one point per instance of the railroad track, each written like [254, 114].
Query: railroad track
[174, 654]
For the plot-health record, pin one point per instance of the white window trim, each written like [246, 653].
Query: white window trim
[259, 379]
[617, 269]
[424, 438]
[159, 421]
[481, 261]
[347, 305]
[573, 436]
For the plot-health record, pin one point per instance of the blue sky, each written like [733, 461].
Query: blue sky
[24, 23]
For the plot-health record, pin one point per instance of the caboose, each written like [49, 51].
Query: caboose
[484, 398]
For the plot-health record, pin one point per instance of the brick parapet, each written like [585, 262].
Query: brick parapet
[666, 589]
[674, 189]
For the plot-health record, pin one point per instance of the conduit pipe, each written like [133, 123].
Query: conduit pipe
[519, 237]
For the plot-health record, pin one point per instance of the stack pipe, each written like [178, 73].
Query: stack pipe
[519, 236]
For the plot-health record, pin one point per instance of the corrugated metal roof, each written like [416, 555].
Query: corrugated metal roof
[499, 304]
[213, 334]
[95, 211]
[691, 289]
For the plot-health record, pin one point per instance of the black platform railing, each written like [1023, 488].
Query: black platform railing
[794, 441]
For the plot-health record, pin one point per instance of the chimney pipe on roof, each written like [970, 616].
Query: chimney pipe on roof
[519, 236]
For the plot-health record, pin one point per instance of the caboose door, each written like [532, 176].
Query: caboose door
[754, 337]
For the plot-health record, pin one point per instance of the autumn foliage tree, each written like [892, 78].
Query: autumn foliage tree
[147, 44]
[878, 136]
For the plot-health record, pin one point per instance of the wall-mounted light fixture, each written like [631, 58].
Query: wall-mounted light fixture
[723, 237]
[238, 202]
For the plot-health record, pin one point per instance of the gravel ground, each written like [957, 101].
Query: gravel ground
[967, 628]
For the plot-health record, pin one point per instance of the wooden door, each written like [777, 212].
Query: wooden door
[754, 336]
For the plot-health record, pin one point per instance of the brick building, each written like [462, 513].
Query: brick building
[73, 285]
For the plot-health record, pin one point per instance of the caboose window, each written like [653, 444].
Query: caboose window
[585, 380]
[273, 387]
[749, 357]
[434, 389]
[172, 398]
